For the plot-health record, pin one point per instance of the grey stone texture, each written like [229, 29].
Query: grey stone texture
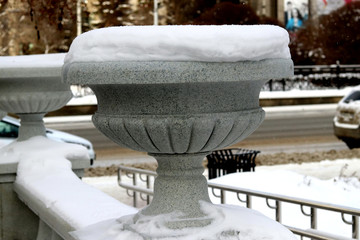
[178, 112]
[17, 221]
[156, 72]
[179, 186]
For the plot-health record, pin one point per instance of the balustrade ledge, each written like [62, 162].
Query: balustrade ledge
[46, 183]
[92, 207]
[47, 215]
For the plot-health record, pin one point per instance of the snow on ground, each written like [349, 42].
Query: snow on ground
[335, 182]
[295, 93]
[339, 191]
[227, 43]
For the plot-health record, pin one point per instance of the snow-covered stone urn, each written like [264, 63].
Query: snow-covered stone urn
[30, 86]
[178, 93]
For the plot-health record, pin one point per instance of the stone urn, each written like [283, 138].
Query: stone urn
[30, 86]
[176, 110]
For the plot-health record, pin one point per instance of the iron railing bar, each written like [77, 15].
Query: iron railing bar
[137, 170]
[312, 235]
[303, 211]
[138, 189]
[299, 201]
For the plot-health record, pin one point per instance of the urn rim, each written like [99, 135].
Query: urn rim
[169, 72]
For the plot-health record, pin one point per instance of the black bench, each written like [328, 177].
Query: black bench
[225, 161]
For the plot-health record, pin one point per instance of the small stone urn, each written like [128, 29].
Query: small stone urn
[30, 86]
[177, 110]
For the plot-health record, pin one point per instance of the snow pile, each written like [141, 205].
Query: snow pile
[40, 147]
[227, 43]
[229, 223]
[31, 61]
[45, 174]
[330, 169]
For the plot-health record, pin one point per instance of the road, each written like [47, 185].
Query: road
[289, 129]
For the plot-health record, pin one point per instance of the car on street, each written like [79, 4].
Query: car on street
[9, 131]
[347, 119]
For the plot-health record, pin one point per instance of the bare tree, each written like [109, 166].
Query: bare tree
[36, 26]
[329, 38]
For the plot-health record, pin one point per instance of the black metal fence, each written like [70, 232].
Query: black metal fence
[313, 77]
[225, 161]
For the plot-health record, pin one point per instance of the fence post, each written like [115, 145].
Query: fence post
[338, 74]
[355, 227]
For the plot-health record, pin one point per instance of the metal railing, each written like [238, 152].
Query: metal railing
[321, 69]
[309, 77]
[145, 178]
[137, 175]
[279, 199]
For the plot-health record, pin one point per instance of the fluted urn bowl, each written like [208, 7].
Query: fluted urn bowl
[177, 107]
[31, 86]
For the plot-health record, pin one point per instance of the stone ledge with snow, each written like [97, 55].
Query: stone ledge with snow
[46, 183]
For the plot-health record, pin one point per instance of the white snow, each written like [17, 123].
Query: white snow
[33, 61]
[227, 225]
[38, 147]
[305, 93]
[332, 182]
[44, 171]
[227, 43]
[46, 175]
[324, 170]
